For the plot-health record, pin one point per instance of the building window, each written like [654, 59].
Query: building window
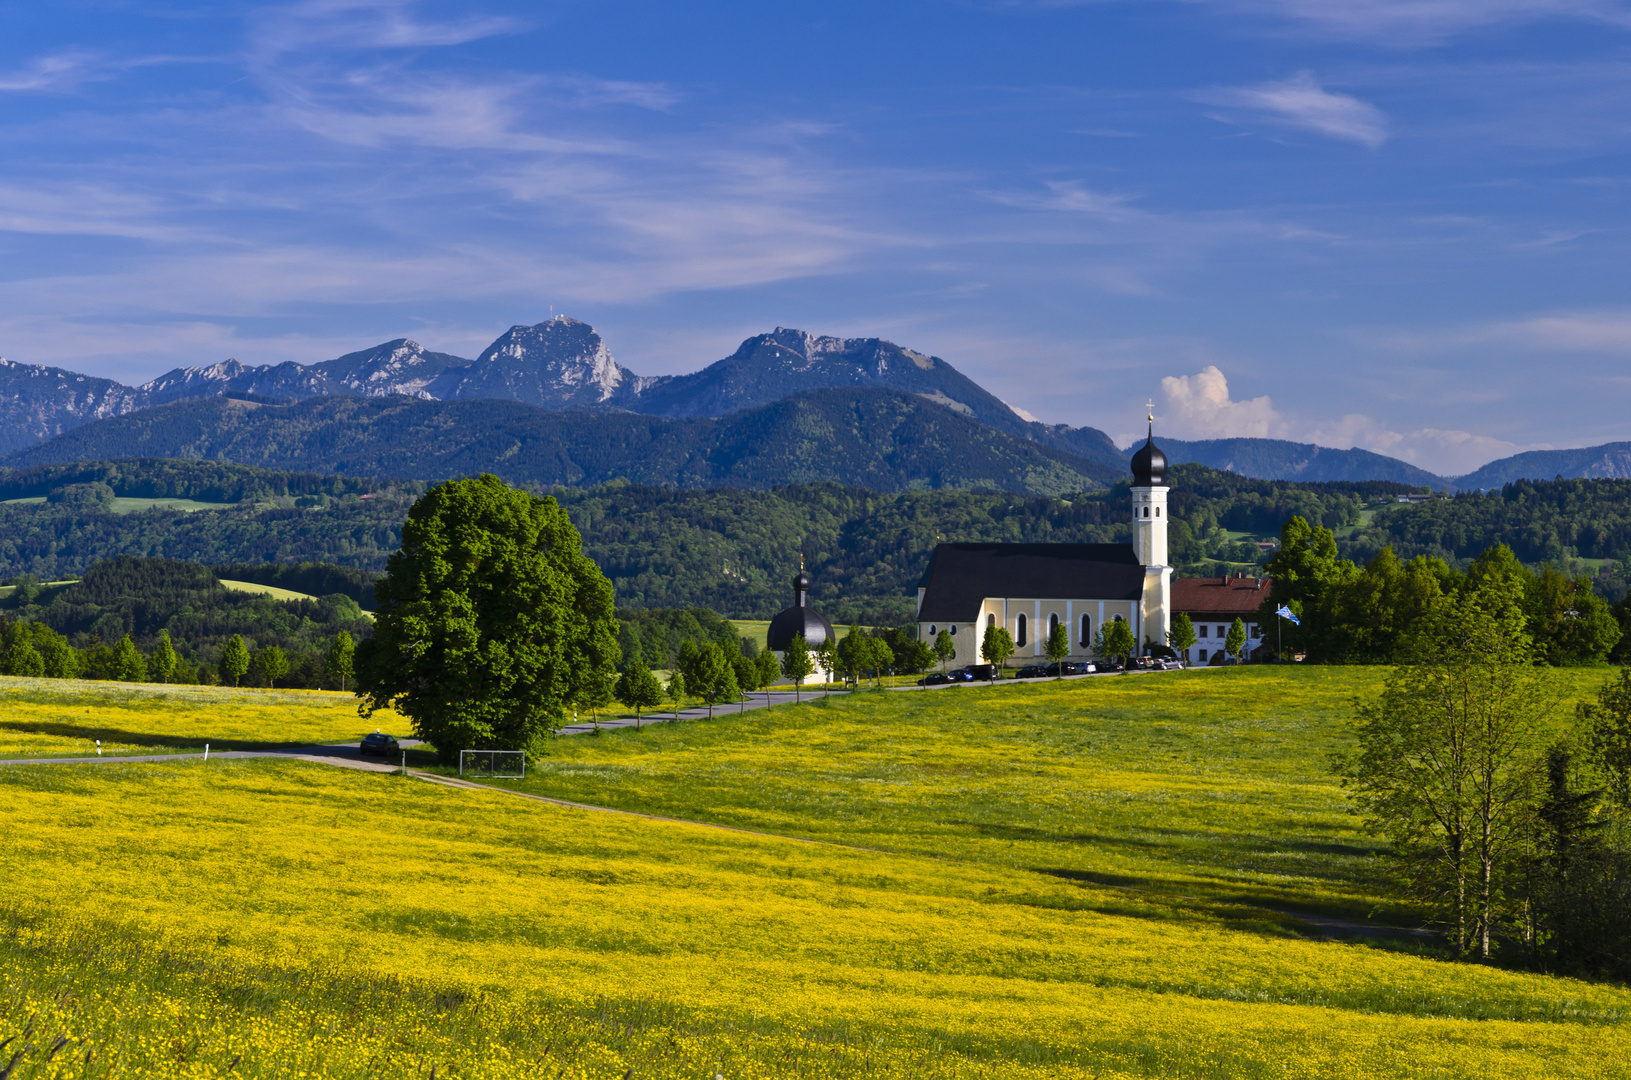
[1146, 511]
[1053, 622]
[953, 629]
[933, 630]
[1157, 511]
[1118, 618]
[990, 620]
[1200, 631]
[1087, 631]
[1256, 633]
[1203, 654]
[1019, 628]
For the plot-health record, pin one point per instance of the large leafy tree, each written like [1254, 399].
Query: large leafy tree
[1446, 766]
[490, 620]
[1309, 577]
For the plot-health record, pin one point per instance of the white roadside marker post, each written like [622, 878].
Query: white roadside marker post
[98, 747]
[404, 763]
[206, 751]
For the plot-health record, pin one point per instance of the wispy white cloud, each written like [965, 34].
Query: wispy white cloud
[365, 24]
[1602, 331]
[1301, 102]
[57, 71]
[1396, 23]
[1404, 23]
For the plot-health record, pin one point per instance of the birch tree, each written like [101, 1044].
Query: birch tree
[1448, 759]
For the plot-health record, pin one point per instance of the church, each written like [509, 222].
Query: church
[1031, 588]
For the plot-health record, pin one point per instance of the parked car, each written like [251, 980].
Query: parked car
[1034, 672]
[379, 743]
[938, 678]
[982, 672]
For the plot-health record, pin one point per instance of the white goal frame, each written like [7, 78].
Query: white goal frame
[493, 759]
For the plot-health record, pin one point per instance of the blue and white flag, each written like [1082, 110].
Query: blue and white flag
[1285, 613]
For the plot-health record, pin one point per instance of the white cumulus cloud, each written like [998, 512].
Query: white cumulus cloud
[1200, 406]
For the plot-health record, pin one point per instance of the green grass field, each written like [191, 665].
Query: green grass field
[1062, 879]
[1211, 783]
[67, 717]
[123, 505]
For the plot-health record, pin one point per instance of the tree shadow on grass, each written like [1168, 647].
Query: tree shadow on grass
[1209, 840]
[148, 739]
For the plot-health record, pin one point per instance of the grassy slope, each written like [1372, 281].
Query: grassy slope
[312, 918]
[65, 717]
[673, 946]
[1210, 783]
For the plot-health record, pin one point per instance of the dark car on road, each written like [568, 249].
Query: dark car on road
[381, 744]
[1034, 672]
[980, 672]
[938, 678]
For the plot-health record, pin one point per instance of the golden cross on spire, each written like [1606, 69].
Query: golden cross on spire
[801, 562]
[1150, 405]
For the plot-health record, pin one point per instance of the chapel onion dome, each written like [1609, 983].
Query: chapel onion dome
[1149, 464]
[801, 618]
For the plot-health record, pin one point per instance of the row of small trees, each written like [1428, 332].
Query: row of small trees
[35, 651]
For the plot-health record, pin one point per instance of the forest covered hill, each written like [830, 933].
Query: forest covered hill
[733, 550]
[879, 439]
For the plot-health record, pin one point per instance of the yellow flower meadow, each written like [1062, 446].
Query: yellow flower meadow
[272, 919]
[65, 718]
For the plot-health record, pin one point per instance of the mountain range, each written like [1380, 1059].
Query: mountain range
[562, 365]
[869, 437]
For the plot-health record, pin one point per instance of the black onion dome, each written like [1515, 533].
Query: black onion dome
[795, 621]
[1149, 464]
[801, 618]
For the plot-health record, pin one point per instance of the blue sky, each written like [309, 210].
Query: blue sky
[1398, 224]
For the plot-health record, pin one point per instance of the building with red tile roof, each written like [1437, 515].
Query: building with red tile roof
[1213, 604]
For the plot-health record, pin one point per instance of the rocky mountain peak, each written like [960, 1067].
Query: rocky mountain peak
[559, 363]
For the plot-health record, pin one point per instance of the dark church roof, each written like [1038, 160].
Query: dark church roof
[801, 618]
[1149, 464]
[960, 576]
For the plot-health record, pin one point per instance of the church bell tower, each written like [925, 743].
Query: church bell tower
[1149, 493]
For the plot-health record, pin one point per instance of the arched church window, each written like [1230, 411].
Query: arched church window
[1087, 630]
[1120, 619]
[934, 631]
[1157, 511]
[1146, 511]
[1053, 622]
[1019, 627]
[990, 620]
[953, 629]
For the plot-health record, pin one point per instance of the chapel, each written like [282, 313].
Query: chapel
[1031, 588]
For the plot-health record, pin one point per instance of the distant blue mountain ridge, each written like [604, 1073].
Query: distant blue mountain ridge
[1278, 459]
